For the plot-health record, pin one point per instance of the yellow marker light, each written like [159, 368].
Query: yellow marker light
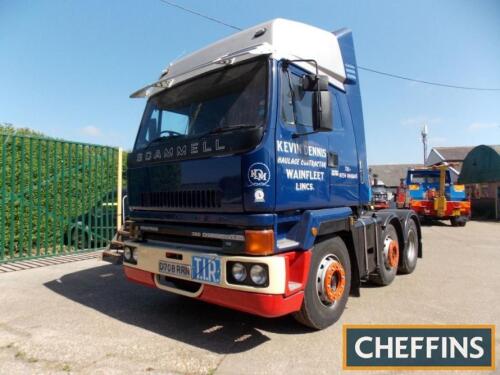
[314, 231]
[259, 242]
[414, 187]
[415, 203]
[459, 187]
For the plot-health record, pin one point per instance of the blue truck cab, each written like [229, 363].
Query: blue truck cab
[248, 182]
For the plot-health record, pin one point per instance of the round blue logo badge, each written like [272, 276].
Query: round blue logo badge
[258, 174]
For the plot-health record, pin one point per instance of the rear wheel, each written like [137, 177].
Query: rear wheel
[388, 255]
[328, 285]
[408, 257]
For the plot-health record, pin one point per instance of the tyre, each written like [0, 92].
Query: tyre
[388, 257]
[462, 221]
[454, 221]
[408, 257]
[328, 285]
[79, 239]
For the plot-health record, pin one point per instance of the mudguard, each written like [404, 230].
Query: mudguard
[323, 220]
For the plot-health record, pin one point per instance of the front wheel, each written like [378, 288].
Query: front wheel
[79, 239]
[462, 221]
[328, 285]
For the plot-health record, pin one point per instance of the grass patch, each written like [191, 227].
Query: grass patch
[24, 357]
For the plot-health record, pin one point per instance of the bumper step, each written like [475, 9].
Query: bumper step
[112, 256]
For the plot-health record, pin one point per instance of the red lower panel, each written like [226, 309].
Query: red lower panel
[426, 208]
[267, 305]
[139, 276]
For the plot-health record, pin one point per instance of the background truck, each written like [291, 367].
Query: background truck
[433, 195]
[248, 182]
[380, 197]
[380, 194]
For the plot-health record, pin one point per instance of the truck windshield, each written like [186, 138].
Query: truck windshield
[229, 99]
[378, 189]
[427, 178]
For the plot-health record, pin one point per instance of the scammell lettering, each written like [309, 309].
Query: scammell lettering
[181, 151]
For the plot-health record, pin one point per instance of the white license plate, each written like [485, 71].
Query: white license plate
[175, 269]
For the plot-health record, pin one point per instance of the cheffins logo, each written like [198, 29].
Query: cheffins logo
[258, 174]
[419, 347]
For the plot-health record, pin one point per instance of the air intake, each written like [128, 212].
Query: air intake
[182, 199]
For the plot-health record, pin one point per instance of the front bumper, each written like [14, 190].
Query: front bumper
[284, 293]
[266, 305]
[453, 208]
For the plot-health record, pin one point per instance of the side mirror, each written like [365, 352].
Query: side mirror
[322, 111]
[322, 101]
[310, 82]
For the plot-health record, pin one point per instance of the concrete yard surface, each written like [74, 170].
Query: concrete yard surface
[84, 317]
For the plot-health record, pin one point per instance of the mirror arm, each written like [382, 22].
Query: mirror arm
[311, 61]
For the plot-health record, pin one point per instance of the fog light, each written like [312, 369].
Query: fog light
[258, 274]
[239, 272]
[127, 253]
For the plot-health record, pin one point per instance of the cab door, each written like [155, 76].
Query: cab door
[342, 154]
[303, 178]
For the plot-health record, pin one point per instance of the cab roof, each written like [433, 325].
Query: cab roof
[279, 38]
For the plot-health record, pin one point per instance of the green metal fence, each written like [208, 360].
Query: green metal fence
[57, 197]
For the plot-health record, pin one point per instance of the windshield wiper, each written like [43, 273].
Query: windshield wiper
[222, 129]
[160, 138]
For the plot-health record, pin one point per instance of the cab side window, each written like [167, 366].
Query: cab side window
[151, 130]
[296, 104]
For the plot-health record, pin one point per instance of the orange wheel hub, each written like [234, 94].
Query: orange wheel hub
[334, 283]
[393, 254]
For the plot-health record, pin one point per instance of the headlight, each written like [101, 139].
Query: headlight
[239, 272]
[258, 274]
[134, 255]
[127, 253]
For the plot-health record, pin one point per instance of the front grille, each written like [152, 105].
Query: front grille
[182, 199]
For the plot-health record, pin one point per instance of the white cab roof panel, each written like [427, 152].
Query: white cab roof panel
[282, 39]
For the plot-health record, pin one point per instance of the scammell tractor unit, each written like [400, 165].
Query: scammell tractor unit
[432, 195]
[248, 182]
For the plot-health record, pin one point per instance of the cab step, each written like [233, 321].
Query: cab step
[124, 233]
[116, 244]
[113, 256]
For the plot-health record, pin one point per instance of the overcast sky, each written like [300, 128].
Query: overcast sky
[67, 67]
